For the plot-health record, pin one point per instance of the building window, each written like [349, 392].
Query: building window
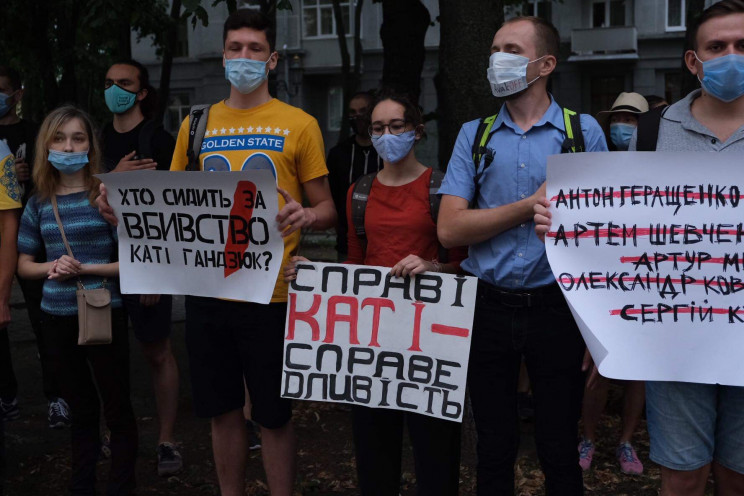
[318, 18]
[335, 108]
[250, 4]
[675, 15]
[608, 13]
[538, 8]
[178, 110]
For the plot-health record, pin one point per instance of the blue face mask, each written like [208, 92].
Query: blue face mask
[5, 103]
[119, 100]
[246, 74]
[392, 148]
[620, 135]
[724, 77]
[68, 162]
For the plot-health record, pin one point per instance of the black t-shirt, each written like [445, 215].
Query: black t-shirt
[116, 145]
[21, 139]
[347, 162]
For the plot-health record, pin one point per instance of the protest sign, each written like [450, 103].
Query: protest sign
[197, 233]
[357, 335]
[649, 251]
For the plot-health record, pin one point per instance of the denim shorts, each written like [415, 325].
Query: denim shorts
[691, 425]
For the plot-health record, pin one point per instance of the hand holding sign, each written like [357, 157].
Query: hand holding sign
[292, 216]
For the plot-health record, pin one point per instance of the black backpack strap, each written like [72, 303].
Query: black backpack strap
[435, 199]
[574, 142]
[647, 133]
[482, 136]
[359, 197]
[144, 141]
[198, 116]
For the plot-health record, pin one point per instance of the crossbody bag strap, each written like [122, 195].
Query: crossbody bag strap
[59, 224]
[64, 239]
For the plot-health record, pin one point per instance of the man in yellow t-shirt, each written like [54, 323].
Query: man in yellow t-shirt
[229, 340]
[10, 205]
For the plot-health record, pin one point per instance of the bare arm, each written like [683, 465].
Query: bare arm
[321, 214]
[8, 258]
[457, 225]
[104, 270]
[29, 269]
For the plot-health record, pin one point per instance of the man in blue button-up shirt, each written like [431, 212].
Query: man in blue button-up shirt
[520, 310]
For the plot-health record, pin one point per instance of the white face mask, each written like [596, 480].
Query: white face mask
[507, 73]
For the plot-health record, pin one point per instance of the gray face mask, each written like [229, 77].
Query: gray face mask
[392, 148]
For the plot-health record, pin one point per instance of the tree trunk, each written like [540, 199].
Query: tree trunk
[694, 10]
[166, 65]
[462, 88]
[404, 25]
[68, 83]
[348, 79]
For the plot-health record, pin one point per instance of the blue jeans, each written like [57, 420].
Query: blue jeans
[543, 331]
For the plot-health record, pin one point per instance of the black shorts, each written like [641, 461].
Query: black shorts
[228, 341]
[150, 323]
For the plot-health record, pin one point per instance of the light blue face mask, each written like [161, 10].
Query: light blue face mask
[724, 77]
[119, 100]
[620, 135]
[5, 103]
[68, 162]
[246, 74]
[392, 148]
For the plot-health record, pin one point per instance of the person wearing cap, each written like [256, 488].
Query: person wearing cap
[621, 120]
[618, 123]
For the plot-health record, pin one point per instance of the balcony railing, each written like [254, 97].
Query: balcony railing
[604, 43]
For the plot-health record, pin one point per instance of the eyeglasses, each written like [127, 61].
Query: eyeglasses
[395, 127]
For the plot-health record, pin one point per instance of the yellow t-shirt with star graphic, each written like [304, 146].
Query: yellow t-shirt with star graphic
[10, 192]
[273, 136]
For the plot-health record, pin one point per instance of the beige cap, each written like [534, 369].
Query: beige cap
[625, 102]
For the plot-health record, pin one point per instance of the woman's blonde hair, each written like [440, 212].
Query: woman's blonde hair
[45, 175]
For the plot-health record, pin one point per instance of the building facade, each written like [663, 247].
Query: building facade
[608, 46]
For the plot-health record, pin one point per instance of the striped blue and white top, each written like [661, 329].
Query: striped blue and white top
[91, 238]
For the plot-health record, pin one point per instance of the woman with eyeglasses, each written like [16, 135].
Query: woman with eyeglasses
[400, 233]
[67, 157]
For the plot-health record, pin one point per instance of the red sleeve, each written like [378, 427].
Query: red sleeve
[355, 251]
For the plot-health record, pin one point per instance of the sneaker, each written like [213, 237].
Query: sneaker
[629, 462]
[254, 442]
[59, 414]
[169, 459]
[586, 453]
[9, 409]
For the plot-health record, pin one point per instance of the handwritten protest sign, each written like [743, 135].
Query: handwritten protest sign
[649, 251]
[357, 335]
[197, 233]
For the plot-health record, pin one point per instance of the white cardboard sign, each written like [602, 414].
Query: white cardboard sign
[649, 251]
[197, 233]
[356, 335]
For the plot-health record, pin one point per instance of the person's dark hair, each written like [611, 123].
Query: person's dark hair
[13, 76]
[720, 9]
[548, 39]
[654, 100]
[149, 105]
[252, 19]
[363, 94]
[411, 111]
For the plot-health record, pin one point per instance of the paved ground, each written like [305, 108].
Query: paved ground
[38, 457]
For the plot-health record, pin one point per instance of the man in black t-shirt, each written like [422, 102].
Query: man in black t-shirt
[20, 136]
[350, 160]
[134, 142]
